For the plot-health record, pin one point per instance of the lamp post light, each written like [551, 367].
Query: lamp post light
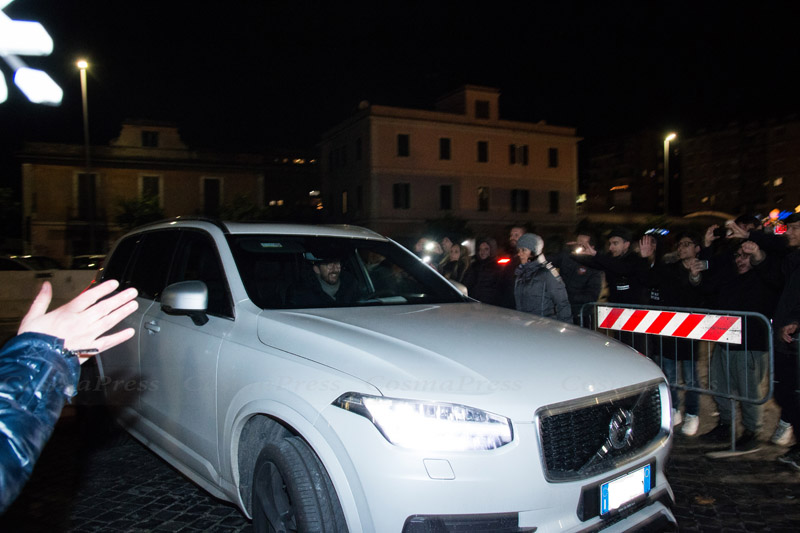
[83, 65]
[667, 139]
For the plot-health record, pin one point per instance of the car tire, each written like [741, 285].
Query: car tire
[292, 491]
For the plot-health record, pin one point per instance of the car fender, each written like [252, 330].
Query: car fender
[320, 437]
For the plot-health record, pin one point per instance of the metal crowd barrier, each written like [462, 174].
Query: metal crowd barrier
[659, 331]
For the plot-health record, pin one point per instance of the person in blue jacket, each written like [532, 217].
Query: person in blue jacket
[40, 368]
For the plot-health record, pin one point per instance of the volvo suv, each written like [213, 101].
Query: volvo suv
[324, 378]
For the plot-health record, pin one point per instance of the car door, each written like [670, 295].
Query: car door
[140, 261]
[184, 357]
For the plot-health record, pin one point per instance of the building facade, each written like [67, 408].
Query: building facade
[72, 203]
[743, 168]
[392, 169]
[626, 174]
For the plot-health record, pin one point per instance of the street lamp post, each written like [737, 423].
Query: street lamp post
[667, 139]
[83, 65]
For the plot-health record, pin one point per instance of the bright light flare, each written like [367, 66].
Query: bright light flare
[23, 38]
[38, 87]
[671, 137]
[82, 64]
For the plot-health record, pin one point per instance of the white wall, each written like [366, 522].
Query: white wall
[17, 290]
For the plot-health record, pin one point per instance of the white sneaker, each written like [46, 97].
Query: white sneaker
[690, 425]
[676, 417]
[783, 434]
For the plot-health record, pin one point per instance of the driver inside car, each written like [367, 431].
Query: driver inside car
[329, 286]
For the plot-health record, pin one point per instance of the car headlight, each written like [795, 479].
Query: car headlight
[433, 426]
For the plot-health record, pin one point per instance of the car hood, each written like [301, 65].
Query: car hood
[501, 360]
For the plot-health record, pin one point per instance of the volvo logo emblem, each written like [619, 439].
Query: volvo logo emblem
[620, 429]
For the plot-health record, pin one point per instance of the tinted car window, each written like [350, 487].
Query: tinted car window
[121, 258]
[151, 263]
[198, 259]
[279, 272]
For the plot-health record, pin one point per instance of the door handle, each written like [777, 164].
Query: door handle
[152, 327]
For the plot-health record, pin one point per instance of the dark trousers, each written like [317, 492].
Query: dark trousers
[787, 381]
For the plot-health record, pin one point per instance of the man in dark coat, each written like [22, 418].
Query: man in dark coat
[734, 284]
[624, 269]
[786, 324]
[329, 286]
[675, 284]
[583, 283]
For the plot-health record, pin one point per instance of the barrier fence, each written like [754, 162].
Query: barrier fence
[736, 347]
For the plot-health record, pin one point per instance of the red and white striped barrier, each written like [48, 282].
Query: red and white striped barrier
[717, 328]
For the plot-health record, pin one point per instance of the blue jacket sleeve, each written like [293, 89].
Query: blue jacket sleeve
[36, 377]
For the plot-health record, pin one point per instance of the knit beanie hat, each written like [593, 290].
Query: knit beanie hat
[532, 242]
[623, 233]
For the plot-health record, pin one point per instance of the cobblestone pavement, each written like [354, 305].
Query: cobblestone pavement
[89, 479]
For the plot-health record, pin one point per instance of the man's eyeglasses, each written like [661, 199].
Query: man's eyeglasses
[738, 255]
[684, 244]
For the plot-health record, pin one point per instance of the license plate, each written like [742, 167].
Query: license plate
[620, 491]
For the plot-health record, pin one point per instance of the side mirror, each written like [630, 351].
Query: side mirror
[188, 298]
[460, 286]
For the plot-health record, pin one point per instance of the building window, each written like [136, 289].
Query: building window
[552, 158]
[87, 196]
[358, 149]
[403, 145]
[401, 195]
[517, 154]
[212, 195]
[520, 200]
[553, 208]
[344, 202]
[445, 197]
[481, 108]
[444, 148]
[483, 198]
[150, 189]
[150, 139]
[483, 151]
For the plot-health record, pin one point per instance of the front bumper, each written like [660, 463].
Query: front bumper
[504, 489]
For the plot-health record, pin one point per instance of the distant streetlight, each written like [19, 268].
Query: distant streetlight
[667, 139]
[83, 65]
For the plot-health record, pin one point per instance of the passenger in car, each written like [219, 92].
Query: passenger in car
[329, 286]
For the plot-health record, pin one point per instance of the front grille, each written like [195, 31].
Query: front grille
[575, 436]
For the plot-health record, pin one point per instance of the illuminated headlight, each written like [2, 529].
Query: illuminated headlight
[432, 426]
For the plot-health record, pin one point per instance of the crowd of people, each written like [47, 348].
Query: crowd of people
[737, 267]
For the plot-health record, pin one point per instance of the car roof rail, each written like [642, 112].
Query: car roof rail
[192, 218]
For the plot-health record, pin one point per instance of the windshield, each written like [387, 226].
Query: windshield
[296, 272]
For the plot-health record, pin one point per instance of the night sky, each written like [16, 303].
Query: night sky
[249, 75]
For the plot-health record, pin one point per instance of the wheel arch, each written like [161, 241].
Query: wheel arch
[258, 426]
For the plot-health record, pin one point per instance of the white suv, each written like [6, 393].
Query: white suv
[379, 398]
